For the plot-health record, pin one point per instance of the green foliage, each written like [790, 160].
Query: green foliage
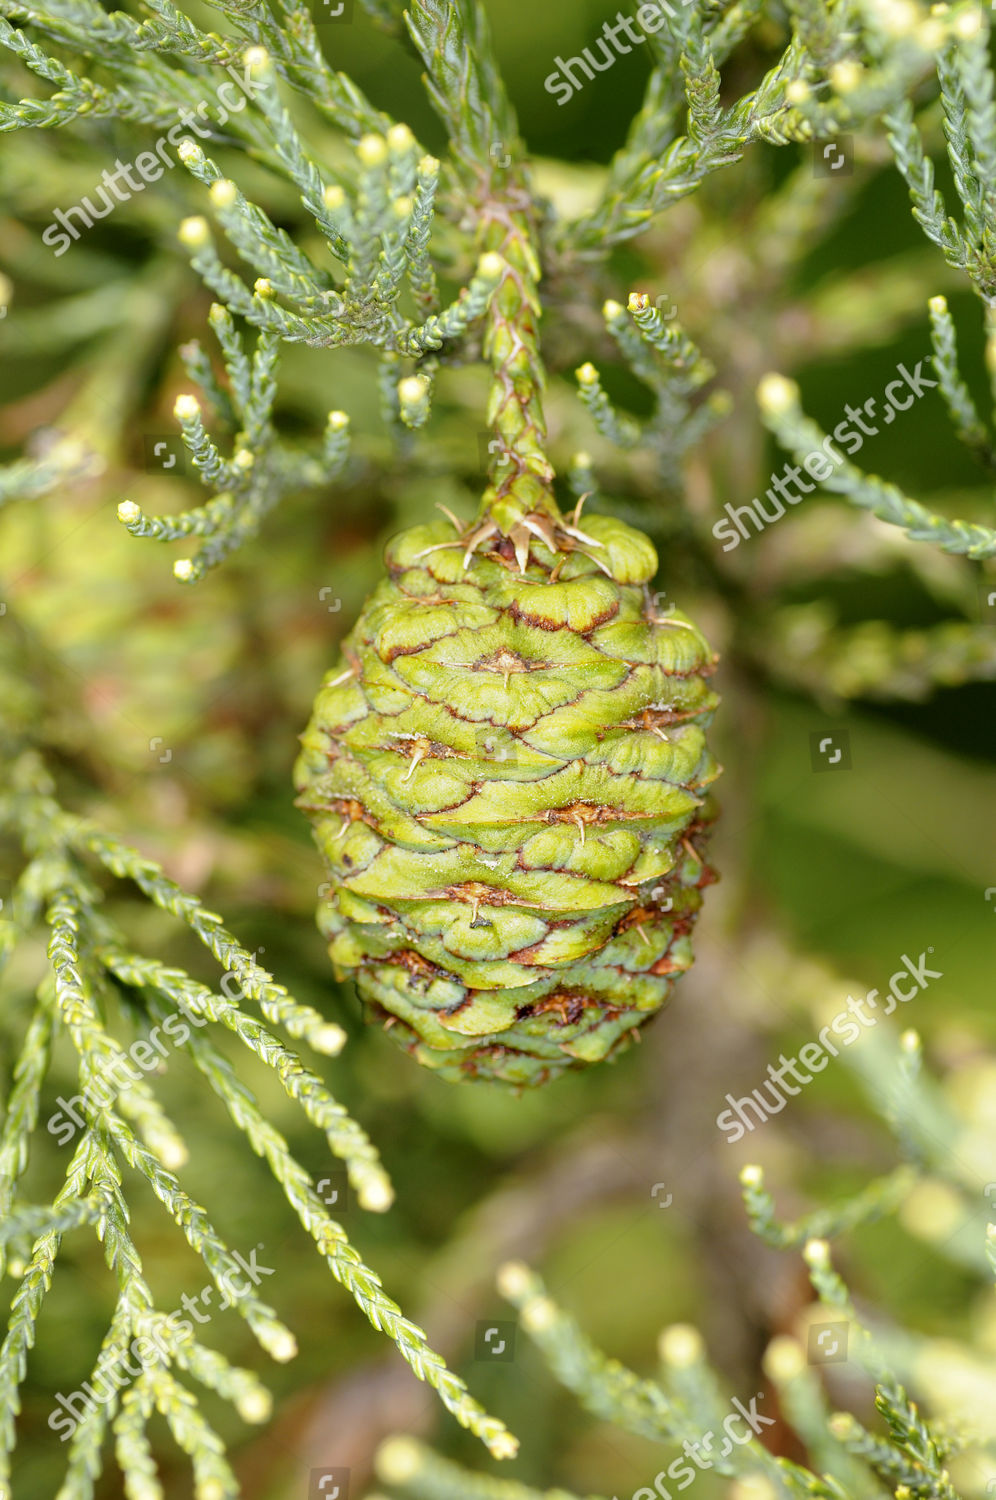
[686, 1402]
[341, 239]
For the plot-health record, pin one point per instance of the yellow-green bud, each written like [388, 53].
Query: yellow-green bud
[784, 1359]
[400, 139]
[398, 1460]
[413, 390]
[967, 24]
[538, 1313]
[194, 231]
[776, 394]
[282, 1345]
[376, 1196]
[255, 1405]
[680, 1345]
[372, 150]
[186, 408]
[513, 1279]
[223, 193]
[845, 76]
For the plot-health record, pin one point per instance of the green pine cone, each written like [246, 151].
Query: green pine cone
[505, 777]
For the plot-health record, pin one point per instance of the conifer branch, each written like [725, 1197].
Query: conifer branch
[780, 411]
[123, 1123]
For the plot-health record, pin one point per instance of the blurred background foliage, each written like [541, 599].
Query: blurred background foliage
[172, 714]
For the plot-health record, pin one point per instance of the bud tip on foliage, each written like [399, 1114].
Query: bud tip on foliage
[490, 265]
[282, 1345]
[752, 1487]
[376, 1196]
[400, 139]
[128, 512]
[846, 76]
[897, 18]
[680, 1345]
[752, 1176]
[255, 1406]
[513, 1279]
[776, 394]
[841, 1424]
[816, 1253]
[784, 1359]
[183, 569]
[173, 1154]
[372, 150]
[586, 373]
[223, 193]
[538, 1313]
[194, 231]
[504, 1445]
[412, 389]
[397, 1460]
[932, 1211]
[967, 24]
[329, 1040]
[186, 408]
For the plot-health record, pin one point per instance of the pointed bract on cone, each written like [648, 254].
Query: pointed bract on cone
[506, 777]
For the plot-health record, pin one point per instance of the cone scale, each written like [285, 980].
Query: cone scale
[506, 772]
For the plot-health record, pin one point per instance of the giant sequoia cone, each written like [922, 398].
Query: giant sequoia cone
[505, 775]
